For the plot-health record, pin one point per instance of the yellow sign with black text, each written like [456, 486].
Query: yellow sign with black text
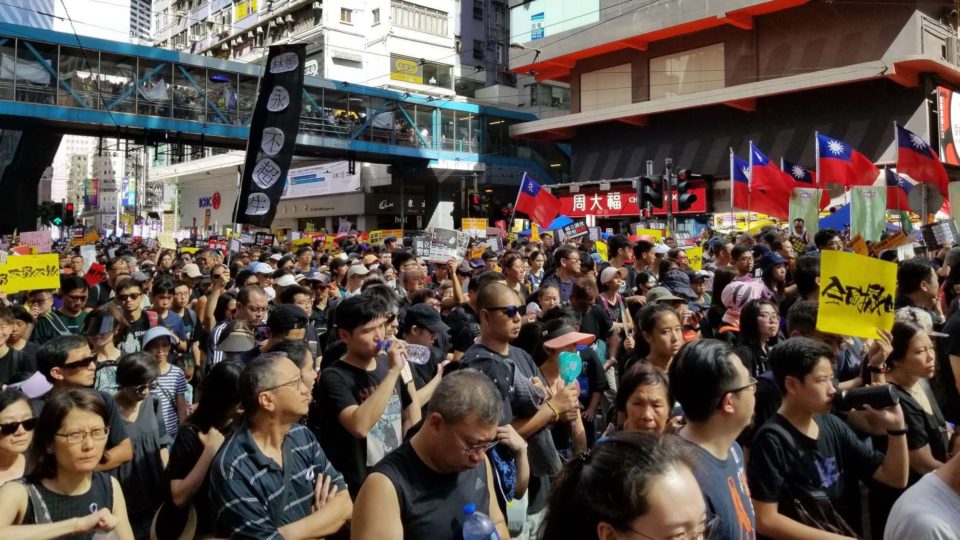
[30, 272]
[856, 294]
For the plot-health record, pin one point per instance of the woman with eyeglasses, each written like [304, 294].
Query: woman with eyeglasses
[62, 494]
[631, 485]
[192, 453]
[16, 432]
[142, 416]
[759, 328]
[105, 328]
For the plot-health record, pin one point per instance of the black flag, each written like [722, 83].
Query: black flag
[273, 135]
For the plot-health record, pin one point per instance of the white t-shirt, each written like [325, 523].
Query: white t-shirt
[930, 510]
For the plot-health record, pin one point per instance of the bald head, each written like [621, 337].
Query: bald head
[496, 294]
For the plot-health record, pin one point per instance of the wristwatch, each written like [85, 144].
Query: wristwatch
[897, 432]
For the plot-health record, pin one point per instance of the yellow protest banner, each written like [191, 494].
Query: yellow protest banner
[375, 238]
[305, 241]
[476, 227]
[30, 272]
[856, 294]
[695, 256]
[655, 234]
[601, 248]
[476, 253]
[89, 238]
[534, 232]
[189, 249]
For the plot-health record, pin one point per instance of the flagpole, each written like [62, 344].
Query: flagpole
[733, 185]
[816, 145]
[515, 201]
[750, 186]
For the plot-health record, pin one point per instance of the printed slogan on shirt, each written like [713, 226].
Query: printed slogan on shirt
[856, 294]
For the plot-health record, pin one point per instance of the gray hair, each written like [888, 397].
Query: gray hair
[259, 374]
[466, 392]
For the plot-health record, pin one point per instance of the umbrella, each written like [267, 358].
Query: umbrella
[559, 222]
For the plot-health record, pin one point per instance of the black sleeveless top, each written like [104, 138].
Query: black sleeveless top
[431, 503]
[63, 507]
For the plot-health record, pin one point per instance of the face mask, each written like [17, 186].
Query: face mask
[392, 283]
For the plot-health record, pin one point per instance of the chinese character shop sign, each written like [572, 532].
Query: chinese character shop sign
[615, 203]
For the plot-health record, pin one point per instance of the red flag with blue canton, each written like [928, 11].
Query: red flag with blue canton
[839, 163]
[802, 175]
[769, 185]
[537, 203]
[916, 159]
[740, 178]
[897, 189]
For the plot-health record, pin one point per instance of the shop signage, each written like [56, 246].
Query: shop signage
[211, 202]
[406, 70]
[615, 203]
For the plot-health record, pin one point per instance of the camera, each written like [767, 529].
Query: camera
[877, 397]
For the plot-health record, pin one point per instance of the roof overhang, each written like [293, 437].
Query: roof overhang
[904, 71]
[558, 68]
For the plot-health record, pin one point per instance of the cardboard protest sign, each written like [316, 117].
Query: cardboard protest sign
[375, 238]
[859, 245]
[575, 230]
[89, 238]
[166, 240]
[695, 258]
[30, 272]
[305, 241]
[655, 234]
[856, 294]
[39, 240]
[446, 244]
[95, 274]
[421, 246]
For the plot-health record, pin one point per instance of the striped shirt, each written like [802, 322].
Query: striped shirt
[247, 488]
[173, 383]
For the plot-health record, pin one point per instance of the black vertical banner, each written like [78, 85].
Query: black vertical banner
[273, 135]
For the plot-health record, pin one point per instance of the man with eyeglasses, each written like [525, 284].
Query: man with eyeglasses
[69, 318]
[420, 489]
[742, 260]
[717, 394]
[566, 269]
[271, 477]
[67, 362]
[252, 307]
[367, 399]
[515, 375]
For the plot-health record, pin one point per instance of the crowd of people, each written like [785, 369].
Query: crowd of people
[540, 393]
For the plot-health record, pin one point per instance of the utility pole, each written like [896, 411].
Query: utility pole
[669, 182]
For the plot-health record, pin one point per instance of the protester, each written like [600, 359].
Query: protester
[104, 328]
[171, 381]
[659, 326]
[643, 401]
[20, 331]
[17, 423]
[69, 318]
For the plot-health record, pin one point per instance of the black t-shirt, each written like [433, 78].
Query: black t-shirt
[596, 322]
[29, 352]
[832, 463]
[133, 341]
[15, 366]
[184, 454]
[343, 385]
[464, 327]
[592, 378]
[945, 385]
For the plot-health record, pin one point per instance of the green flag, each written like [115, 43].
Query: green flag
[805, 204]
[905, 222]
[868, 211]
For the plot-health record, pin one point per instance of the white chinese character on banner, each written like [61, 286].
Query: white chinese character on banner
[595, 203]
[579, 202]
[613, 201]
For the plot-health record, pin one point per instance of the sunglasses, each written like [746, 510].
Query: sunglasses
[82, 363]
[511, 311]
[125, 297]
[12, 427]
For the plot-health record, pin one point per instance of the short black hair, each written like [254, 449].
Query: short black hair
[286, 297]
[563, 252]
[911, 273]
[806, 272]
[55, 352]
[73, 283]
[128, 283]
[295, 350]
[738, 251]
[484, 278]
[164, 285]
[796, 357]
[641, 374]
[700, 374]
[824, 236]
[641, 248]
[617, 242]
[136, 368]
[399, 257]
[357, 311]
[802, 317]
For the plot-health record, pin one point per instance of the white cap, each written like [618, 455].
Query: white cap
[276, 257]
[192, 270]
[285, 280]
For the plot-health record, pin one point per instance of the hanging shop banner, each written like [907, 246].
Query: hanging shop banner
[856, 294]
[623, 202]
[30, 272]
[273, 133]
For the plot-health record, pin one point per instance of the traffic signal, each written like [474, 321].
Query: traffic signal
[685, 200]
[68, 216]
[650, 192]
[475, 204]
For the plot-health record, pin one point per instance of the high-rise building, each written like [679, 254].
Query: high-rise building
[31, 13]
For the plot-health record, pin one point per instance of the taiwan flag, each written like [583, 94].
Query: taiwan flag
[771, 188]
[839, 163]
[898, 188]
[537, 203]
[917, 160]
[802, 175]
[740, 180]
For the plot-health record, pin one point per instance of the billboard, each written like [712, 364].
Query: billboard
[948, 106]
[623, 202]
[324, 179]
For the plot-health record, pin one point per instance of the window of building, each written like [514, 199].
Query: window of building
[606, 87]
[478, 49]
[457, 45]
[419, 18]
[686, 72]
[376, 16]
[346, 15]
[477, 10]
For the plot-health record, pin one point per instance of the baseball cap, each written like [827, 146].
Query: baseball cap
[917, 316]
[610, 272]
[285, 280]
[236, 337]
[191, 270]
[287, 317]
[357, 270]
[319, 277]
[662, 294]
[424, 316]
[370, 259]
[770, 260]
[566, 336]
[260, 268]
[159, 332]
[661, 249]
[276, 257]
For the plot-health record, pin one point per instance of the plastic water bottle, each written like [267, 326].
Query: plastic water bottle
[478, 526]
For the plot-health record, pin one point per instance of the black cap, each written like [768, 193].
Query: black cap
[390, 239]
[424, 316]
[286, 317]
